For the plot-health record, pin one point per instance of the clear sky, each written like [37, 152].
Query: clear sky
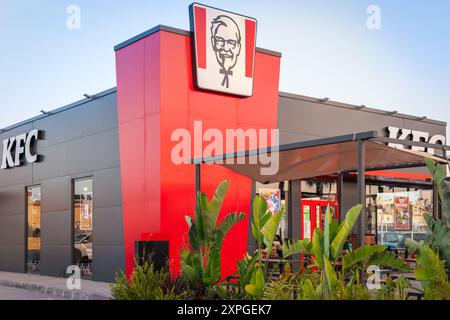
[328, 50]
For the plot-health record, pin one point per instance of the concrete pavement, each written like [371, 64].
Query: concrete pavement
[10, 293]
[54, 287]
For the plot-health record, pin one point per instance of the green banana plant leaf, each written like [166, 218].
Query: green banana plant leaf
[300, 247]
[326, 233]
[269, 230]
[198, 234]
[439, 174]
[317, 248]
[440, 237]
[191, 266]
[359, 255]
[260, 218]
[212, 272]
[246, 267]
[387, 259]
[193, 241]
[344, 230]
[214, 206]
[429, 268]
[308, 291]
[330, 275]
[257, 283]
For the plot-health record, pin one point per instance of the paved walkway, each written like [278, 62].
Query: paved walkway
[10, 293]
[55, 287]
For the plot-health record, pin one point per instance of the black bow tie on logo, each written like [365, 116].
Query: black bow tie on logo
[226, 78]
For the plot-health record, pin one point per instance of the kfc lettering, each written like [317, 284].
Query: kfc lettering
[414, 135]
[20, 148]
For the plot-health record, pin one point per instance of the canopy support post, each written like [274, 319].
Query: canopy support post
[361, 186]
[340, 195]
[197, 179]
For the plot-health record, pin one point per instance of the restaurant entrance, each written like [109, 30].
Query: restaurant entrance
[312, 215]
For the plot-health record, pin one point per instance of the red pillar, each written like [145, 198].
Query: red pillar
[156, 95]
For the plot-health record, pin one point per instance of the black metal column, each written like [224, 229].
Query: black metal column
[436, 211]
[197, 179]
[251, 242]
[294, 197]
[340, 195]
[294, 211]
[361, 186]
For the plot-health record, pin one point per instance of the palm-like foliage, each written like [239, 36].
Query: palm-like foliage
[439, 173]
[430, 271]
[440, 234]
[326, 248]
[264, 228]
[200, 258]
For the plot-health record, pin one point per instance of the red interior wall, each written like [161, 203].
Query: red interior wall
[156, 95]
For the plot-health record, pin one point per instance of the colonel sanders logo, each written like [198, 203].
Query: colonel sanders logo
[226, 42]
[224, 56]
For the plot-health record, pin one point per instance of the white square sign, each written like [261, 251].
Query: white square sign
[224, 46]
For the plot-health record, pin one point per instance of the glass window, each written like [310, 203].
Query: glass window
[399, 214]
[83, 225]
[276, 197]
[33, 229]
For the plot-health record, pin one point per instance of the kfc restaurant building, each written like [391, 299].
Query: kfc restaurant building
[95, 183]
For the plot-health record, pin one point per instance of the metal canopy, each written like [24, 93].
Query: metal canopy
[360, 152]
[321, 157]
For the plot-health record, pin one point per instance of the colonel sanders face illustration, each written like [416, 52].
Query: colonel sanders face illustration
[226, 43]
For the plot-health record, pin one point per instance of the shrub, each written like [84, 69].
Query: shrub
[147, 283]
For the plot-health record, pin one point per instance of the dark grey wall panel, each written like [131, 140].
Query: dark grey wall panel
[113, 260]
[12, 230]
[55, 260]
[85, 154]
[350, 196]
[298, 116]
[85, 120]
[107, 190]
[80, 140]
[12, 258]
[108, 227]
[57, 194]
[21, 175]
[56, 229]
[12, 200]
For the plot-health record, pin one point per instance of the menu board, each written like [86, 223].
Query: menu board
[402, 213]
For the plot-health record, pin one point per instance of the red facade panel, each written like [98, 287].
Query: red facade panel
[157, 194]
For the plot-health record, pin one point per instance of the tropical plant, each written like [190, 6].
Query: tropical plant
[430, 271]
[440, 234]
[200, 257]
[394, 289]
[439, 173]
[253, 271]
[326, 248]
[290, 284]
[147, 283]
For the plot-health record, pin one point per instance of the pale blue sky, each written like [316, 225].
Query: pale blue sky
[327, 50]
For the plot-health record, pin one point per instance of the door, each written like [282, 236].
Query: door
[33, 230]
[312, 215]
